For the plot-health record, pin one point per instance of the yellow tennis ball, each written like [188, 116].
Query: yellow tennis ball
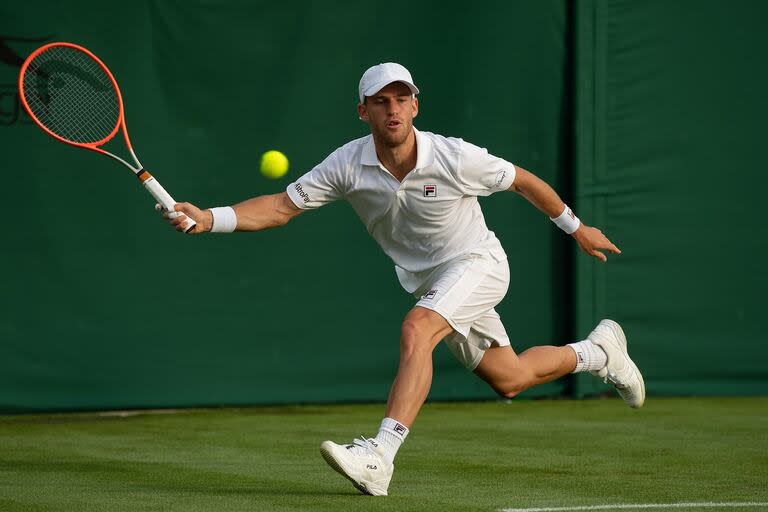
[274, 164]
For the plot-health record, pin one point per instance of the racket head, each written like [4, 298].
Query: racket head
[72, 95]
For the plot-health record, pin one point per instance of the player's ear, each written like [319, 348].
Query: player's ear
[362, 112]
[415, 106]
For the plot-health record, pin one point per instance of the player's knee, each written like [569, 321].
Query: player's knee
[514, 385]
[412, 337]
[422, 330]
[416, 335]
[510, 391]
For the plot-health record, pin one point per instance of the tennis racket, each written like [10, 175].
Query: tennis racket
[74, 98]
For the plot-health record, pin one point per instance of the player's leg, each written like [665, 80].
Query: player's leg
[509, 374]
[368, 463]
[422, 330]
[603, 353]
[487, 352]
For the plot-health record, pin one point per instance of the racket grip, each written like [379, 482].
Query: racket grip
[162, 196]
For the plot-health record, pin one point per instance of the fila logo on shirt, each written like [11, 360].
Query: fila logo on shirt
[429, 295]
[430, 190]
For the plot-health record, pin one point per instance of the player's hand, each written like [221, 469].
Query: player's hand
[592, 241]
[178, 218]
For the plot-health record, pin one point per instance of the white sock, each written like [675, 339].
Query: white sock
[391, 435]
[589, 357]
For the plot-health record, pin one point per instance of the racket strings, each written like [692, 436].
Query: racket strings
[71, 95]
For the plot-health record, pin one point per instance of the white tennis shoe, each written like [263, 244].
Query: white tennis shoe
[619, 370]
[361, 463]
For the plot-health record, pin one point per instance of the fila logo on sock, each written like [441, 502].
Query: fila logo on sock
[429, 295]
[430, 190]
[400, 429]
[580, 356]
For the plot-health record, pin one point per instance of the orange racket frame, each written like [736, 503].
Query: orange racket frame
[149, 181]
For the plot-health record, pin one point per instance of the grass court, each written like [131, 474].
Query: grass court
[492, 456]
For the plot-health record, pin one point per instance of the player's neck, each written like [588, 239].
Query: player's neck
[398, 160]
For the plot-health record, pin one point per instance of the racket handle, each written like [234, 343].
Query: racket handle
[162, 196]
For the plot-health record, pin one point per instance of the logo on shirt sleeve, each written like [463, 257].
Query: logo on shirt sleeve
[429, 295]
[500, 178]
[430, 190]
[301, 192]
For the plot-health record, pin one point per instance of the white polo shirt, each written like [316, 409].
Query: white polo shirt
[432, 216]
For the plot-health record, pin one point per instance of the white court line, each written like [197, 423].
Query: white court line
[624, 506]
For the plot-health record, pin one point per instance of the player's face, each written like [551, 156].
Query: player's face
[390, 113]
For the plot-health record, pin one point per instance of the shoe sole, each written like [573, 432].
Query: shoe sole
[616, 328]
[336, 466]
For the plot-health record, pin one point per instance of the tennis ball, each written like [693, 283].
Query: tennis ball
[274, 164]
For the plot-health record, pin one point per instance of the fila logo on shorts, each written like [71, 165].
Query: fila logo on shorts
[430, 190]
[429, 295]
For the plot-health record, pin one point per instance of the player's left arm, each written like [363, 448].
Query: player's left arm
[591, 240]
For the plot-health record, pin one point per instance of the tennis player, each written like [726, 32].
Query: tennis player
[416, 192]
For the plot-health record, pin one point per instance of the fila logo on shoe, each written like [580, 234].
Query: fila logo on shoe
[371, 466]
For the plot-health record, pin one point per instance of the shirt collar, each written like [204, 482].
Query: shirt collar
[425, 154]
[368, 156]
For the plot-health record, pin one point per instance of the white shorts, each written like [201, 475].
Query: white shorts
[464, 292]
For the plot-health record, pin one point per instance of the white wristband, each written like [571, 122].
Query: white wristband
[224, 219]
[567, 221]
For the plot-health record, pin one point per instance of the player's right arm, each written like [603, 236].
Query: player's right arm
[255, 214]
[325, 183]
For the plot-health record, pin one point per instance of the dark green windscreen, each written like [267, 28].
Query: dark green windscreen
[104, 306]
[671, 108]
[646, 116]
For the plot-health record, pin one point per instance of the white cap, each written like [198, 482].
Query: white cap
[379, 76]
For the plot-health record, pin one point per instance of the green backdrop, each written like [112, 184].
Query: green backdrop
[104, 306]
[670, 112]
[644, 115]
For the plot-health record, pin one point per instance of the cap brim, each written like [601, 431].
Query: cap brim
[379, 86]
